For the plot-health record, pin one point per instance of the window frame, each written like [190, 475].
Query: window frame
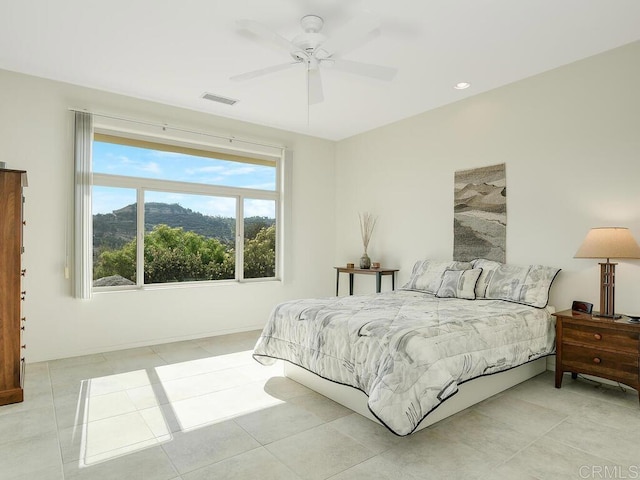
[240, 194]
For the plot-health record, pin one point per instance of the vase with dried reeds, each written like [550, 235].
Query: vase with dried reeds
[367, 224]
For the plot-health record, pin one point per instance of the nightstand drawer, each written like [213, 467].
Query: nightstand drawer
[616, 366]
[600, 337]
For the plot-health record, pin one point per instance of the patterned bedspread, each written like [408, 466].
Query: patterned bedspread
[408, 351]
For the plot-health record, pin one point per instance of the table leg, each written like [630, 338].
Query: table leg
[393, 280]
[337, 282]
[559, 373]
[351, 284]
[378, 282]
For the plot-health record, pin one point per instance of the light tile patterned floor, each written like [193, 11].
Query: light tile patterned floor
[204, 409]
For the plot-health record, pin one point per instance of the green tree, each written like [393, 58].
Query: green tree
[260, 254]
[252, 225]
[117, 262]
[173, 255]
[170, 255]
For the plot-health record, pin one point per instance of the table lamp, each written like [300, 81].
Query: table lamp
[608, 242]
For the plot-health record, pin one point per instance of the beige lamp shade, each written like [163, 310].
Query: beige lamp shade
[609, 242]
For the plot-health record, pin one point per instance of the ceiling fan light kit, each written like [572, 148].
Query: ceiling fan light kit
[313, 49]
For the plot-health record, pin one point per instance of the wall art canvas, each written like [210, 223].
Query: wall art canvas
[480, 214]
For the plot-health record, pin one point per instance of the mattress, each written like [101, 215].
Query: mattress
[407, 351]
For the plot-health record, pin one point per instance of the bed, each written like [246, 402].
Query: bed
[410, 351]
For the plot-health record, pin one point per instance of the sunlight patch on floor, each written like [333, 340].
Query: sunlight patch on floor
[123, 413]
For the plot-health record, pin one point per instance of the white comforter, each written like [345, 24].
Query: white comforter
[408, 351]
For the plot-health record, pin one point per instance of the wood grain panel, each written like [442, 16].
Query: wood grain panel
[10, 284]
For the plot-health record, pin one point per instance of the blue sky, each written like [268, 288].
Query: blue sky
[139, 162]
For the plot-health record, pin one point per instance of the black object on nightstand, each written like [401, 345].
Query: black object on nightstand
[584, 307]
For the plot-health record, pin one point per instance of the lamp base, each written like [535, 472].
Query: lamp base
[607, 289]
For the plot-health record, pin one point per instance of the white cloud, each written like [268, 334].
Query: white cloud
[116, 163]
[219, 206]
[151, 167]
[260, 208]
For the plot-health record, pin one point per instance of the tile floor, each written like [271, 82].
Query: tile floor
[205, 409]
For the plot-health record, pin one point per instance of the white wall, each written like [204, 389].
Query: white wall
[570, 139]
[36, 135]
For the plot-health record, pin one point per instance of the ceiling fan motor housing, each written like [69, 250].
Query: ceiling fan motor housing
[311, 38]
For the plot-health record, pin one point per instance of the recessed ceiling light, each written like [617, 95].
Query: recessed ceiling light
[461, 85]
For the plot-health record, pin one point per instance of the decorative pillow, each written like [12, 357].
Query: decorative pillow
[527, 285]
[488, 269]
[426, 275]
[459, 284]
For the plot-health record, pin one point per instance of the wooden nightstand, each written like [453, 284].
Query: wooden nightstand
[597, 346]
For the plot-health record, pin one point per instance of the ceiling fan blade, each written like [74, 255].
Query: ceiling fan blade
[314, 86]
[267, 34]
[263, 71]
[353, 33]
[365, 69]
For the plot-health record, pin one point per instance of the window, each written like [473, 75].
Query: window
[173, 213]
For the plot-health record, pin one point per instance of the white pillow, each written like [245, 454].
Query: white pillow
[426, 275]
[488, 268]
[459, 284]
[527, 285]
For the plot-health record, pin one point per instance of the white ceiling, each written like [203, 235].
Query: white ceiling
[173, 51]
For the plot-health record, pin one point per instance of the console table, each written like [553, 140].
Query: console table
[378, 272]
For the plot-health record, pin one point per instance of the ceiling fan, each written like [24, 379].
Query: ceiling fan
[313, 50]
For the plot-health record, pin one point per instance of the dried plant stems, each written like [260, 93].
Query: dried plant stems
[367, 224]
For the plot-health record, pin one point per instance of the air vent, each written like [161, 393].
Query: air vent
[219, 99]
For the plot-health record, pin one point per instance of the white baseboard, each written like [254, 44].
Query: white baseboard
[551, 363]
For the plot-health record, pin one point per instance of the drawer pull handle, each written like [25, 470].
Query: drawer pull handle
[597, 360]
[597, 336]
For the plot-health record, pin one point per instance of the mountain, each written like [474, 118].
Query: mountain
[484, 197]
[113, 230]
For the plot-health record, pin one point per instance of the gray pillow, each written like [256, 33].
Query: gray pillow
[426, 275]
[459, 284]
[488, 269]
[527, 285]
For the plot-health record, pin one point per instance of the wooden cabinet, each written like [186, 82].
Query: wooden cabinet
[598, 346]
[11, 292]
